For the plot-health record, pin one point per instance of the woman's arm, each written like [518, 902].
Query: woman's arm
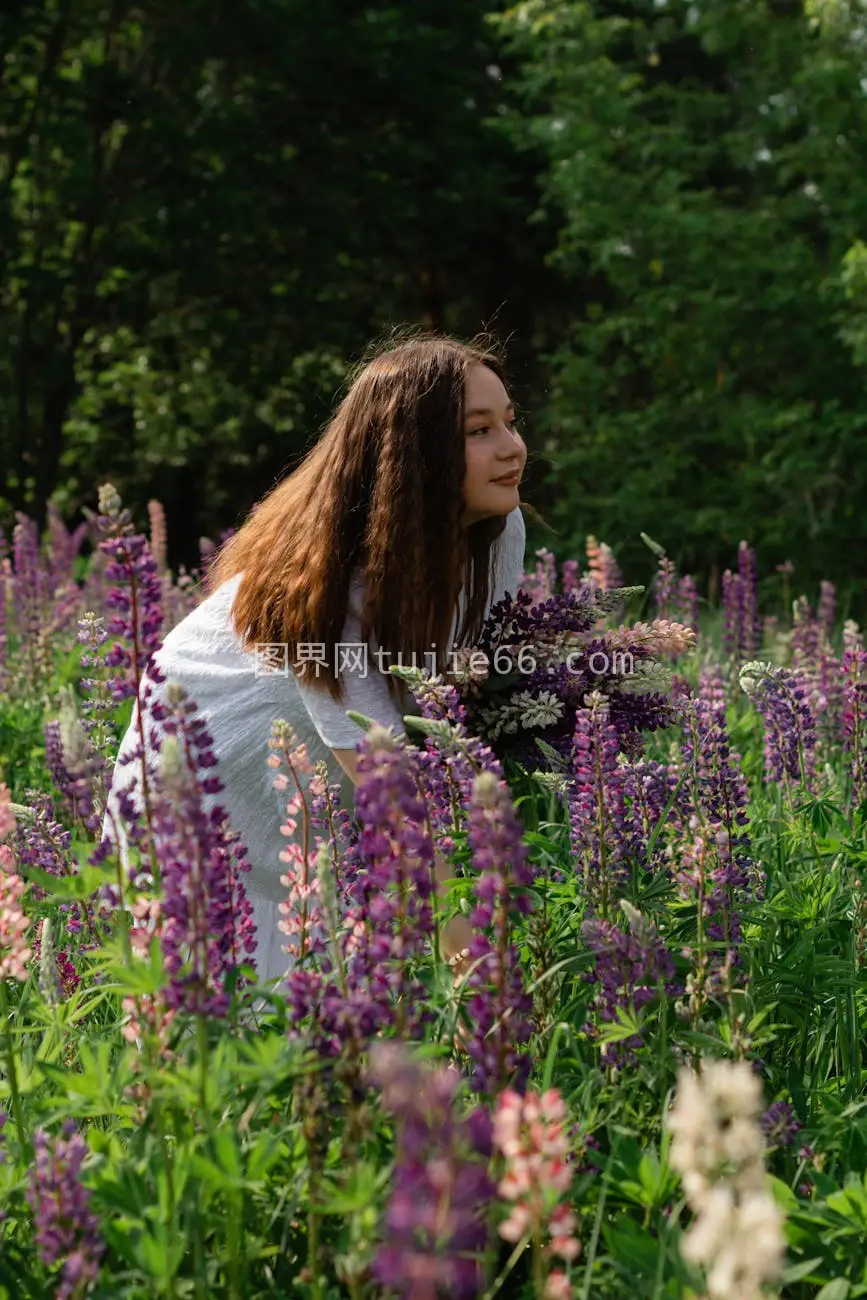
[457, 933]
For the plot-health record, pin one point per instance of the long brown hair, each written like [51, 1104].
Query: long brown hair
[382, 488]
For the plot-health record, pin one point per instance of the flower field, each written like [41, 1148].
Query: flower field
[646, 1076]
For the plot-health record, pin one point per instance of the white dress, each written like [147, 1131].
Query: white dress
[238, 702]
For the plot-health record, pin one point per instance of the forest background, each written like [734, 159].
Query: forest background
[207, 210]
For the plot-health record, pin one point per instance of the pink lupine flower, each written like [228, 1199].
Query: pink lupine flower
[557, 1286]
[602, 570]
[530, 1132]
[659, 637]
[303, 922]
[14, 924]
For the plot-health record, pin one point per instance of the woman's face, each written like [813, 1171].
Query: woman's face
[495, 451]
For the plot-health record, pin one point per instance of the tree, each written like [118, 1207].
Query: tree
[708, 172]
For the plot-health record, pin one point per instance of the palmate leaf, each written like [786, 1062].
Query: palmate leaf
[82, 885]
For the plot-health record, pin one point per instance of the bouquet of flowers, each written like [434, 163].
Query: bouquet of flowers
[537, 661]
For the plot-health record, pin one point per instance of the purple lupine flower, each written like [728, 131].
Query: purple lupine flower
[499, 1006]
[664, 586]
[790, 728]
[387, 920]
[392, 920]
[599, 830]
[751, 626]
[827, 611]
[5, 584]
[30, 598]
[571, 576]
[717, 868]
[779, 1124]
[854, 721]
[731, 608]
[66, 1229]
[81, 775]
[98, 702]
[204, 933]
[435, 1222]
[686, 601]
[628, 971]
[136, 598]
[42, 841]
[63, 549]
[647, 788]
[742, 628]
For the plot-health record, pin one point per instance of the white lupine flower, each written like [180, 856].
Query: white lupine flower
[718, 1150]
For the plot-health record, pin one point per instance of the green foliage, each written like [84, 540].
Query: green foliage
[202, 224]
[706, 172]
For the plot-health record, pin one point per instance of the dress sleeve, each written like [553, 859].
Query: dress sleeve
[365, 690]
[510, 564]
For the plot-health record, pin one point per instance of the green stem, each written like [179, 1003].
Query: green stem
[538, 1267]
[507, 1268]
[11, 1063]
[313, 1246]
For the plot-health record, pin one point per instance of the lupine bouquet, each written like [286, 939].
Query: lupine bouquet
[539, 656]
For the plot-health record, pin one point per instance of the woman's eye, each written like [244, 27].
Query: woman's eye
[484, 429]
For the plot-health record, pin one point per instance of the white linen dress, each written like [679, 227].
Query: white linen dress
[238, 702]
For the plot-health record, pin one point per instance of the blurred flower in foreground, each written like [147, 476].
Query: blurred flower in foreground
[530, 1132]
[718, 1149]
[435, 1226]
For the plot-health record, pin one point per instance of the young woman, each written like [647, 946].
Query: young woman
[389, 544]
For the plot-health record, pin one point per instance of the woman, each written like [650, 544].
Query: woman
[398, 531]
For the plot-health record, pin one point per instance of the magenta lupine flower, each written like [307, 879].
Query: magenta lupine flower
[136, 598]
[530, 1133]
[598, 826]
[779, 1125]
[205, 931]
[499, 1007]
[435, 1229]
[66, 1229]
[627, 973]
[790, 728]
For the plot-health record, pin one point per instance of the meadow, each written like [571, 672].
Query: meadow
[645, 1079]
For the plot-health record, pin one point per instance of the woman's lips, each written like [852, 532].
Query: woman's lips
[508, 480]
